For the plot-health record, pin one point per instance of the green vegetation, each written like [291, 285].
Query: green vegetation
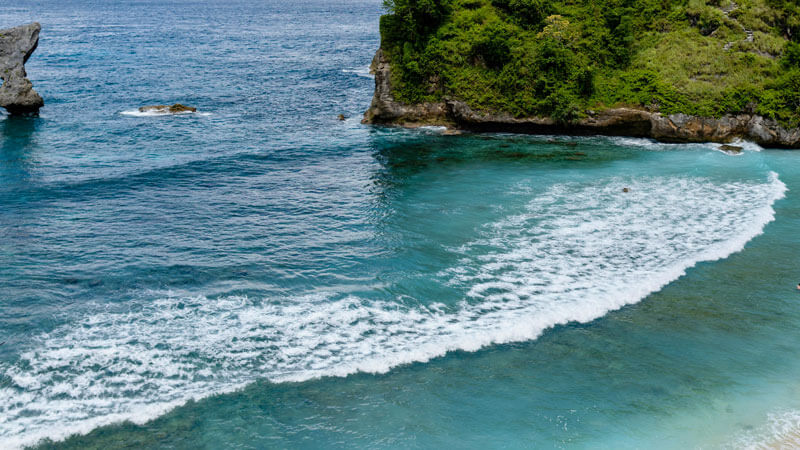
[559, 58]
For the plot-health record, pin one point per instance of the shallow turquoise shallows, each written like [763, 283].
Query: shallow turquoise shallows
[262, 275]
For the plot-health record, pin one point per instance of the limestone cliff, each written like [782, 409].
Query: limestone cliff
[616, 121]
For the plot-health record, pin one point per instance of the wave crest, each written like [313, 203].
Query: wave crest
[577, 252]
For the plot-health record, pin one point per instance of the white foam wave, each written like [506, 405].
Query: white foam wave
[432, 129]
[360, 71]
[579, 251]
[747, 145]
[782, 431]
[151, 113]
[637, 142]
[652, 144]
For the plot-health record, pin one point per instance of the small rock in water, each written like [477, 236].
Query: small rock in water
[626, 189]
[732, 149]
[342, 117]
[177, 108]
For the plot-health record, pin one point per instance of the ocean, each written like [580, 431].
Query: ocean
[261, 274]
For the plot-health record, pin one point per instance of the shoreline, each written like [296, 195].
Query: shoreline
[629, 122]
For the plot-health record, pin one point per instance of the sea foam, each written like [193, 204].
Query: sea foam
[360, 71]
[781, 431]
[578, 251]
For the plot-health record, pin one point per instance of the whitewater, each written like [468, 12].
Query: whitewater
[578, 251]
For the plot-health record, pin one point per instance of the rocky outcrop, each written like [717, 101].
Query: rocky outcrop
[620, 121]
[384, 109]
[615, 121]
[16, 46]
[177, 108]
[683, 128]
[637, 123]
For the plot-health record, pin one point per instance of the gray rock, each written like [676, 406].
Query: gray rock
[16, 46]
[385, 109]
[761, 130]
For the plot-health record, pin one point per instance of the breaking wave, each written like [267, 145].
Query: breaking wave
[360, 71]
[578, 251]
[781, 431]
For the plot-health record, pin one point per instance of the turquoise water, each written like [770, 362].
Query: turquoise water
[262, 275]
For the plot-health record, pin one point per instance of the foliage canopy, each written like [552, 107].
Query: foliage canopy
[559, 58]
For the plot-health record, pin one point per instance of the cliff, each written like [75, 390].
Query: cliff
[492, 65]
[675, 128]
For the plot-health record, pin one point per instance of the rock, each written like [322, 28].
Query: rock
[733, 149]
[341, 117]
[626, 189]
[16, 46]
[177, 108]
[613, 121]
[386, 110]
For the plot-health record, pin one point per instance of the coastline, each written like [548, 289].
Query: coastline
[631, 122]
[261, 273]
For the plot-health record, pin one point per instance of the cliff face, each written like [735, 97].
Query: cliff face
[16, 46]
[384, 109]
[615, 121]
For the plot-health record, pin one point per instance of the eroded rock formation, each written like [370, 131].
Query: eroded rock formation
[616, 121]
[16, 46]
[385, 109]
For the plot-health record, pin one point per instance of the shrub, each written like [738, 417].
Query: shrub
[706, 18]
[418, 18]
[528, 13]
[491, 45]
[791, 56]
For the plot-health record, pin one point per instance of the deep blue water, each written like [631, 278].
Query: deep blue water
[261, 274]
